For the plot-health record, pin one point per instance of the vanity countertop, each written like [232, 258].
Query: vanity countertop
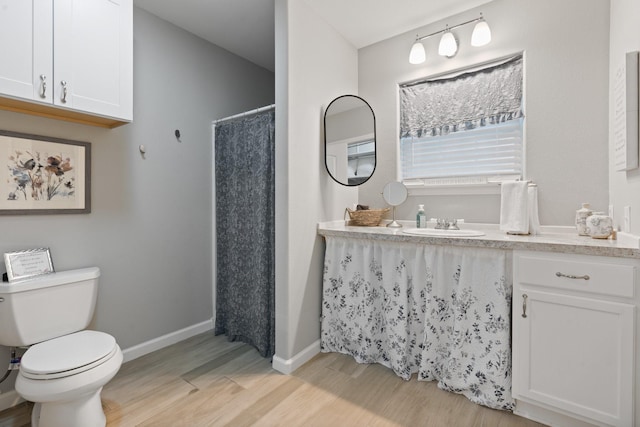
[551, 239]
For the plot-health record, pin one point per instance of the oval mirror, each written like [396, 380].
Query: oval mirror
[395, 194]
[350, 140]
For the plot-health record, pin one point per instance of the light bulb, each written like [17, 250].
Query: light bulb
[448, 45]
[481, 34]
[417, 54]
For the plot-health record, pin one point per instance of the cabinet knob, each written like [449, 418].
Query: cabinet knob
[524, 305]
[43, 86]
[63, 98]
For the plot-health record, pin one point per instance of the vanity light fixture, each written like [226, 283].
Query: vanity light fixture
[481, 33]
[448, 44]
[417, 54]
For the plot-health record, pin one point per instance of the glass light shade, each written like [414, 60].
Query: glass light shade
[448, 45]
[481, 34]
[417, 54]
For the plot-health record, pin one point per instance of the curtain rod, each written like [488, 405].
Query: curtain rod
[246, 113]
[531, 183]
[467, 70]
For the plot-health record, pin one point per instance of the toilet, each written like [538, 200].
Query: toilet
[65, 367]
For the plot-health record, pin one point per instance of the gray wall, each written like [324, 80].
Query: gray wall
[566, 96]
[150, 226]
[350, 124]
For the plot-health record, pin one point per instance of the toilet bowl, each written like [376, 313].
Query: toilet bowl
[64, 377]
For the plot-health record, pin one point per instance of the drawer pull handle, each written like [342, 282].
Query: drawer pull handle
[524, 305]
[571, 276]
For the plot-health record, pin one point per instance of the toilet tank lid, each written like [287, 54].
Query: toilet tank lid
[51, 279]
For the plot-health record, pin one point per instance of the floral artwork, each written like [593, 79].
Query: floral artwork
[43, 174]
[38, 179]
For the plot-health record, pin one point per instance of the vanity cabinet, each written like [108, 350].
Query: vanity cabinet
[574, 327]
[68, 59]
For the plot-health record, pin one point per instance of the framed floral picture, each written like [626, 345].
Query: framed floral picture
[44, 175]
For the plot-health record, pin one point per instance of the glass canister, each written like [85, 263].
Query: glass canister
[581, 219]
[599, 225]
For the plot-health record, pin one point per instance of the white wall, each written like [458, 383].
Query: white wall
[313, 66]
[566, 97]
[624, 187]
[150, 226]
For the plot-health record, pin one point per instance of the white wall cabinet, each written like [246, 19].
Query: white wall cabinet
[573, 336]
[26, 41]
[68, 59]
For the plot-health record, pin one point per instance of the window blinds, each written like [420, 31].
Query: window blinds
[488, 151]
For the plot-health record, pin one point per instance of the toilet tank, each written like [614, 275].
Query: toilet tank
[48, 306]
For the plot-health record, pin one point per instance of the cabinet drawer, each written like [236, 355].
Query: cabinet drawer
[576, 273]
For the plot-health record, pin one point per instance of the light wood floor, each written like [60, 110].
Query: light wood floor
[207, 381]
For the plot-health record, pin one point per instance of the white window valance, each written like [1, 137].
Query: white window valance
[466, 101]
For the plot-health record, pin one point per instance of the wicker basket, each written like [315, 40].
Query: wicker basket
[367, 218]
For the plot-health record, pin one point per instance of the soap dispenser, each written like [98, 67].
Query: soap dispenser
[421, 218]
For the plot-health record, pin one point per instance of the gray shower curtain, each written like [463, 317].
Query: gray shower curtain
[245, 230]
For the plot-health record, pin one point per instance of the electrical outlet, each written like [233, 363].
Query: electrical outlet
[627, 219]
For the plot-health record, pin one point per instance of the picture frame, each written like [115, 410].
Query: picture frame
[28, 263]
[626, 134]
[44, 175]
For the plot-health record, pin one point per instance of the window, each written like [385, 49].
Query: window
[464, 129]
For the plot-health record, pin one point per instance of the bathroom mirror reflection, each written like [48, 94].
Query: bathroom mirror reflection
[350, 140]
[395, 194]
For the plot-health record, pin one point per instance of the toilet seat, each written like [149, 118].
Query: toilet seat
[67, 355]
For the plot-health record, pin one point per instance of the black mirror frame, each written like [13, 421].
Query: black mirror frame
[375, 140]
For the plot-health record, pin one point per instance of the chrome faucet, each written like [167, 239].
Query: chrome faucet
[447, 224]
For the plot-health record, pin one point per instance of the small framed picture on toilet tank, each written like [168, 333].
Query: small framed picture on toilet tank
[28, 263]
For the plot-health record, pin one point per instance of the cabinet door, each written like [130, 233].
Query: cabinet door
[93, 48]
[26, 43]
[575, 354]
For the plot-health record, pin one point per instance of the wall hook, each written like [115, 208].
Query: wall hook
[177, 133]
[143, 151]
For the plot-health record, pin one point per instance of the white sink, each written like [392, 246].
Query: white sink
[443, 233]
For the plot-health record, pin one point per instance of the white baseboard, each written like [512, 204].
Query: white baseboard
[9, 399]
[290, 365]
[536, 412]
[150, 346]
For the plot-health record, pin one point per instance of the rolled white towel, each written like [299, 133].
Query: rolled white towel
[514, 207]
[534, 220]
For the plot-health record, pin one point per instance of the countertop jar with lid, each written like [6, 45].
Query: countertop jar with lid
[599, 225]
[581, 219]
